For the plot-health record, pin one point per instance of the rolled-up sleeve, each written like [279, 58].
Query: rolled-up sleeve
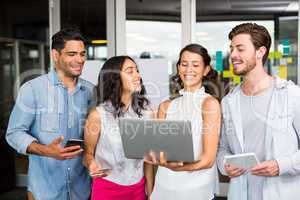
[21, 119]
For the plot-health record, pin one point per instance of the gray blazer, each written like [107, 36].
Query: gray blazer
[281, 141]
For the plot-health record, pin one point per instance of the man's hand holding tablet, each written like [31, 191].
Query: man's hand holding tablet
[237, 165]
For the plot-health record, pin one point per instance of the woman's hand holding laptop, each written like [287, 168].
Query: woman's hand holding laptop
[151, 158]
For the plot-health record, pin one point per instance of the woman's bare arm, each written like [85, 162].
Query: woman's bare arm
[91, 135]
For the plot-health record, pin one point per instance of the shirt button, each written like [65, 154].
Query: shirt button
[69, 168]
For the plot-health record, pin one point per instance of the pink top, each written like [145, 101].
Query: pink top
[106, 190]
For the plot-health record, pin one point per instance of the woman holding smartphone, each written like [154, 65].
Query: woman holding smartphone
[192, 181]
[120, 94]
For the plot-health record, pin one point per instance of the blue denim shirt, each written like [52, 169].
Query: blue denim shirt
[44, 110]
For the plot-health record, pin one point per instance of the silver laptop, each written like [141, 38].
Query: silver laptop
[174, 137]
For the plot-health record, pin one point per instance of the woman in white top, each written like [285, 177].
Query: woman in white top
[120, 94]
[191, 181]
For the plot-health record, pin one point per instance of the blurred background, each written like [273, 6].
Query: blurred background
[144, 29]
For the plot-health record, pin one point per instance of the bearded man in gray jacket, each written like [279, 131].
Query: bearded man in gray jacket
[261, 116]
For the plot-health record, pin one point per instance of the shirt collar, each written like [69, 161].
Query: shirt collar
[54, 78]
[279, 84]
[199, 91]
[56, 81]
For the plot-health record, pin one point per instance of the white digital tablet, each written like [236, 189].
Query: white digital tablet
[174, 138]
[245, 160]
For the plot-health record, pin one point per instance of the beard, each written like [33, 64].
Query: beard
[249, 66]
[69, 73]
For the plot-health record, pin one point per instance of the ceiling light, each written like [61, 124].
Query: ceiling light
[99, 41]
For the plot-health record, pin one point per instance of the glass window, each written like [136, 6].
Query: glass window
[24, 32]
[143, 42]
[287, 42]
[224, 15]
[90, 17]
[8, 76]
[153, 38]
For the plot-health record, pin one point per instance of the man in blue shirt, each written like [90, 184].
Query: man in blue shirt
[49, 111]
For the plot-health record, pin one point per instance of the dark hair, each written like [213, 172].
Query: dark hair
[61, 37]
[259, 36]
[109, 88]
[209, 78]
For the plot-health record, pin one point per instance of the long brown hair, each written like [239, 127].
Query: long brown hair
[109, 88]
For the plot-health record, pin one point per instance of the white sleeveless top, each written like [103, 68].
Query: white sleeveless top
[109, 150]
[196, 185]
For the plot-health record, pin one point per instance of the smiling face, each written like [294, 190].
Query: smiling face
[130, 77]
[70, 60]
[243, 54]
[191, 70]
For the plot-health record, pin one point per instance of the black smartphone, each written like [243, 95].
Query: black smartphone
[75, 142]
